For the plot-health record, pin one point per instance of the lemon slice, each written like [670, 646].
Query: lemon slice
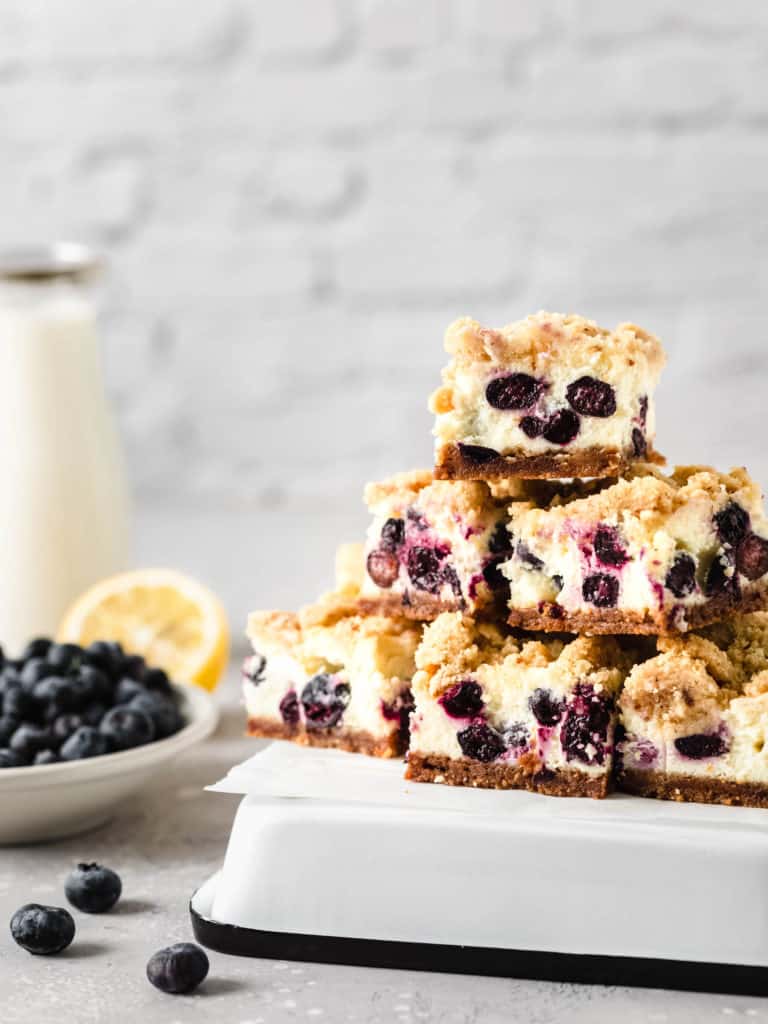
[170, 619]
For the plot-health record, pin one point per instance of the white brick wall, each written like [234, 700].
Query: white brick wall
[298, 195]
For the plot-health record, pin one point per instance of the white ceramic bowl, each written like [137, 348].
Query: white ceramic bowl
[54, 800]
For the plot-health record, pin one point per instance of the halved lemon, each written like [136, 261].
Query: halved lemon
[173, 621]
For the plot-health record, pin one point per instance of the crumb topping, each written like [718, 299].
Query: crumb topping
[455, 645]
[697, 674]
[543, 337]
[653, 495]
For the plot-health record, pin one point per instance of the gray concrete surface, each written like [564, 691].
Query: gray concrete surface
[164, 843]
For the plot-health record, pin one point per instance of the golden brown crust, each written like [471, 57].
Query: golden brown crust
[452, 464]
[648, 494]
[357, 741]
[692, 789]
[460, 772]
[550, 617]
[549, 336]
[274, 630]
[405, 486]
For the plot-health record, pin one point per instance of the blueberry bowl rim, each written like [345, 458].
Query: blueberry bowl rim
[201, 715]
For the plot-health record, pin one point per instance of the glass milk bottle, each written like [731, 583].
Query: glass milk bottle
[63, 518]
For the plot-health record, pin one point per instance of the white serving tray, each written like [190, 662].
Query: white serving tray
[335, 857]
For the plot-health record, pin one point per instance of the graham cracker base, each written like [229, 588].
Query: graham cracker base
[552, 618]
[460, 772]
[414, 605]
[692, 788]
[452, 464]
[357, 741]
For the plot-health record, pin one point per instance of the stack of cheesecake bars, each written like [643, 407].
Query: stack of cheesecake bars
[545, 609]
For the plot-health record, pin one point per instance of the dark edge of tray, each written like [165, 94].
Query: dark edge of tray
[536, 965]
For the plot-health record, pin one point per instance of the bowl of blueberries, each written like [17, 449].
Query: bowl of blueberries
[82, 728]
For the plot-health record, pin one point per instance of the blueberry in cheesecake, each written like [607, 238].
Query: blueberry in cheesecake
[434, 545]
[549, 396]
[330, 677]
[501, 710]
[652, 553]
[694, 718]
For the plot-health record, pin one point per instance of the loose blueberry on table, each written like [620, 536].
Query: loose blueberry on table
[178, 969]
[93, 888]
[42, 930]
[63, 702]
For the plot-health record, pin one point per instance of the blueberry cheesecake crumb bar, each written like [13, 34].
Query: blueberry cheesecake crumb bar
[505, 711]
[434, 546]
[329, 677]
[548, 396]
[694, 719]
[653, 553]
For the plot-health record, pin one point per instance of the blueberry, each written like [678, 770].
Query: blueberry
[450, 577]
[545, 707]
[46, 757]
[37, 648]
[29, 739]
[392, 534]
[601, 590]
[134, 666]
[179, 968]
[35, 670]
[643, 410]
[254, 668]
[93, 713]
[681, 576]
[701, 745]
[324, 701]
[639, 443]
[532, 426]
[10, 759]
[501, 539]
[424, 569]
[8, 726]
[92, 888]
[93, 684]
[165, 716]
[718, 580]
[56, 693]
[516, 736]
[64, 725]
[608, 547]
[527, 557]
[127, 689]
[480, 742]
[87, 741]
[731, 523]
[64, 657]
[42, 930]
[515, 391]
[416, 520]
[106, 655]
[591, 397]
[478, 454]
[399, 709]
[561, 427]
[18, 703]
[289, 708]
[382, 567]
[156, 679]
[126, 727]
[752, 557]
[584, 732]
[462, 700]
